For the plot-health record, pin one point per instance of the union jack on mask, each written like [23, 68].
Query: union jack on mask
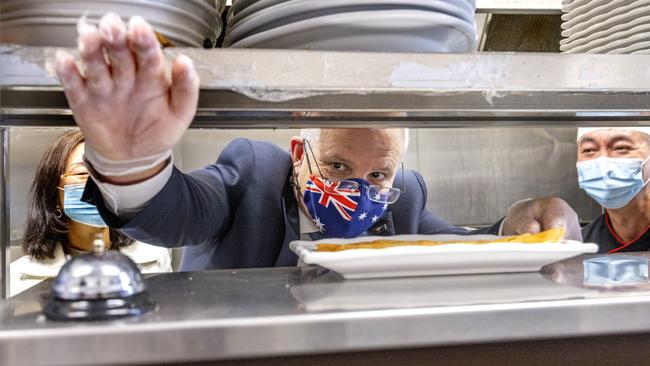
[339, 211]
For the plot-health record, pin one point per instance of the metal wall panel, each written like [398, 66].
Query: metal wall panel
[474, 175]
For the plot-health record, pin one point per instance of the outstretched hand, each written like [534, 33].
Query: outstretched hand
[120, 96]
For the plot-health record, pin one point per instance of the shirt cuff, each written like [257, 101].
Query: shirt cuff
[126, 201]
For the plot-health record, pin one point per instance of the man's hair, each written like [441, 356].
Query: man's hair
[313, 134]
[43, 229]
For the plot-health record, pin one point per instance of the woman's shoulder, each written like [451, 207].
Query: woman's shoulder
[45, 268]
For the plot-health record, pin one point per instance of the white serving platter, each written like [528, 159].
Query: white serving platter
[449, 259]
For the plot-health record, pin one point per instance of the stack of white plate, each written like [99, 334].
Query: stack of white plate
[353, 25]
[193, 23]
[606, 26]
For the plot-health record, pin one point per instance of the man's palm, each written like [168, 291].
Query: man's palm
[126, 107]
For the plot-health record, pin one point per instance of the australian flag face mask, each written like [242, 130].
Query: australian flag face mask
[341, 209]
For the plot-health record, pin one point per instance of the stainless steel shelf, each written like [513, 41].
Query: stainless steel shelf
[270, 312]
[284, 88]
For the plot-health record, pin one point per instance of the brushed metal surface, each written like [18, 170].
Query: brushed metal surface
[292, 311]
[474, 175]
[5, 210]
[279, 88]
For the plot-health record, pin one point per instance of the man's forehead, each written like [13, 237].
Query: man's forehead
[364, 136]
[612, 135]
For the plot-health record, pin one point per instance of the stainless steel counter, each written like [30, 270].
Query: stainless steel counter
[220, 315]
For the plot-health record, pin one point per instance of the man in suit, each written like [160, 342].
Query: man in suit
[243, 210]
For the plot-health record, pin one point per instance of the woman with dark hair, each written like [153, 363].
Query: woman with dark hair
[60, 225]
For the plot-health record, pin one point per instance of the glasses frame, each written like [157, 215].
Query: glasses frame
[401, 191]
[75, 177]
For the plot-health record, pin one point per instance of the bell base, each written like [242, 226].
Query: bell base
[101, 309]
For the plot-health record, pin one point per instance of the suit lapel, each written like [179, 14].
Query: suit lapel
[292, 227]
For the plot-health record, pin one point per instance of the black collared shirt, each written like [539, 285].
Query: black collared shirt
[600, 232]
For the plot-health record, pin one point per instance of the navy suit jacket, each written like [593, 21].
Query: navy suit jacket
[241, 212]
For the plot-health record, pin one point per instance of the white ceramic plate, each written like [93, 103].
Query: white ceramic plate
[373, 31]
[614, 40]
[438, 260]
[62, 32]
[285, 9]
[298, 10]
[235, 15]
[571, 6]
[624, 43]
[601, 12]
[598, 22]
[148, 9]
[239, 5]
[433, 291]
[607, 34]
[633, 48]
[592, 9]
[183, 26]
[606, 26]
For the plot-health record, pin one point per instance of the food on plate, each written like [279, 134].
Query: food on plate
[549, 236]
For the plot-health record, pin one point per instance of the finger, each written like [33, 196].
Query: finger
[572, 230]
[98, 77]
[72, 82]
[532, 227]
[143, 42]
[564, 217]
[184, 88]
[113, 32]
[573, 234]
[553, 223]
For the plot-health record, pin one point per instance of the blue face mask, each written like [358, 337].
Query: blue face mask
[339, 211]
[78, 210]
[612, 182]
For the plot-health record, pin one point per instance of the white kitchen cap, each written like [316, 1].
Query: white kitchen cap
[586, 130]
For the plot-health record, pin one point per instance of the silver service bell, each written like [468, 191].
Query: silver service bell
[97, 286]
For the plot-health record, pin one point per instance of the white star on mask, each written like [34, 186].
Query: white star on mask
[362, 216]
[375, 218]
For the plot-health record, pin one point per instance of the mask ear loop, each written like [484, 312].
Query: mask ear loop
[643, 163]
[306, 142]
[306, 145]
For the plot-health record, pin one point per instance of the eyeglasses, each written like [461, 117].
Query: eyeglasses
[77, 177]
[375, 192]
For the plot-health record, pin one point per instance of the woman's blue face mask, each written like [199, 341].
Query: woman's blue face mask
[78, 210]
[612, 182]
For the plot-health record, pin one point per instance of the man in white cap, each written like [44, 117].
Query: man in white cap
[613, 170]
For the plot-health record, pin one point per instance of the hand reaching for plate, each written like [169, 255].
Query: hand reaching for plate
[535, 215]
[122, 101]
